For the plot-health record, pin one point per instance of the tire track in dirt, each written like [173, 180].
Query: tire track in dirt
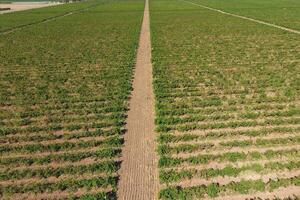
[138, 173]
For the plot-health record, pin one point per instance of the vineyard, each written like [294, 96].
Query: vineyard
[227, 100]
[63, 100]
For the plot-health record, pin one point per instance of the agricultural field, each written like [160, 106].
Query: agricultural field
[227, 99]
[154, 99]
[64, 89]
[28, 17]
[284, 13]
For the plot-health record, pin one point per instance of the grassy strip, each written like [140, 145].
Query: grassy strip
[189, 148]
[65, 119]
[67, 135]
[99, 196]
[211, 110]
[200, 118]
[69, 184]
[59, 109]
[230, 124]
[261, 142]
[165, 161]
[57, 126]
[114, 141]
[106, 166]
[65, 157]
[169, 176]
[216, 101]
[170, 138]
[214, 189]
[164, 150]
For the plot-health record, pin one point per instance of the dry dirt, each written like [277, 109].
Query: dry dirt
[24, 6]
[139, 174]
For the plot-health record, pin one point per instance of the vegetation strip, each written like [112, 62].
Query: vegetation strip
[215, 190]
[168, 176]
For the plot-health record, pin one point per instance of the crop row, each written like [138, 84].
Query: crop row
[35, 137]
[106, 166]
[214, 189]
[168, 176]
[166, 161]
[56, 147]
[56, 127]
[230, 124]
[191, 148]
[69, 184]
[184, 109]
[212, 135]
[60, 158]
[247, 115]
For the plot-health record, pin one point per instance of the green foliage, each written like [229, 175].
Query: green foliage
[224, 97]
[64, 90]
[214, 189]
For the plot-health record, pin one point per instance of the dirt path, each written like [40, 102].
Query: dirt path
[139, 174]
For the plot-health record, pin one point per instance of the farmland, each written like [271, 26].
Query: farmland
[227, 99]
[23, 18]
[64, 88]
[154, 99]
[284, 13]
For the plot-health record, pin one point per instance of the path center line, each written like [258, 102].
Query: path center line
[243, 17]
[138, 173]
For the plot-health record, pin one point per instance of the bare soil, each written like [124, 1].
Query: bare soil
[139, 174]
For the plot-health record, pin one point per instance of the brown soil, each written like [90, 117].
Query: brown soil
[139, 174]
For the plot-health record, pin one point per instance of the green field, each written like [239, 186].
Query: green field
[63, 98]
[281, 12]
[227, 98]
[29, 17]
